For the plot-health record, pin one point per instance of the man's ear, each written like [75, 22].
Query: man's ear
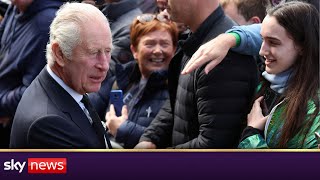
[255, 20]
[134, 52]
[57, 53]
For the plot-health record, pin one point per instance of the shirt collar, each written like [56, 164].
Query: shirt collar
[76, 96]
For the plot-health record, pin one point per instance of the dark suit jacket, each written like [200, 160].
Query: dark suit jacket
[48, 117]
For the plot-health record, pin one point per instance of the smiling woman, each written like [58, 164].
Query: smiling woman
[153, 41]
[290, 46]
[144, 82]
[279, 50]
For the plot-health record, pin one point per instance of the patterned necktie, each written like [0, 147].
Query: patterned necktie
[97, 125]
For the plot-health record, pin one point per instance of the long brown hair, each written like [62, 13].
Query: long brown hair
[301, 21]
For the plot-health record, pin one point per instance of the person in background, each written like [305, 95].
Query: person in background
[24, 35]
[286, 111]
[245, 12]
[92, 2]
[162, 5]
[183, 29]
[204, 111]
[147, 6]
[4, 4]
[121, 13]
[54, 111]
[153, 43]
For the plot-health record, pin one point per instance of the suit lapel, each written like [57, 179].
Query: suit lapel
[64, 101]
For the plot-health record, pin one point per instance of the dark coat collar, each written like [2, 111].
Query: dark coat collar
[193, 42]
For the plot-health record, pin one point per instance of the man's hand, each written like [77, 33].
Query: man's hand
[214, 51]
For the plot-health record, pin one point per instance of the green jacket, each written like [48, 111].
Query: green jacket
[273, 130]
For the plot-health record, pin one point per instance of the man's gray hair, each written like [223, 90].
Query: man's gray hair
[66, 26]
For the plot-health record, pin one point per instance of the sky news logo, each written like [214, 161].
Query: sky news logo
[38, 165]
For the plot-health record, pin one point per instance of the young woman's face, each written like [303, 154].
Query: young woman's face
[278, 48]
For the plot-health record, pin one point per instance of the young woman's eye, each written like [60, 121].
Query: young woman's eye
[273, 43]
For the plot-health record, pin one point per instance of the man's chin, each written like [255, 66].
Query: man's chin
[94, 88]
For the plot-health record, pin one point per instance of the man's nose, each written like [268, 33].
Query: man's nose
[104, 61]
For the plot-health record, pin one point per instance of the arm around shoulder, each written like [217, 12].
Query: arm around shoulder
[250, 39]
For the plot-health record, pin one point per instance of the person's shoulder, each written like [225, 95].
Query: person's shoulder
[35, 116]
[48, 122]
[44, 18]
[50, 125]
[234, 67]
[49, 118]
[236, 58]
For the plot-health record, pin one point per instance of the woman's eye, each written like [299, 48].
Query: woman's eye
[273, 43]
[149, 43]
[166, 44]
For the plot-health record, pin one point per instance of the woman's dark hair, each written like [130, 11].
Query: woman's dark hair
[301, 21]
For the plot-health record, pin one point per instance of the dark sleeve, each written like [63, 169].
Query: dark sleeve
[129, 133]
[249, 131]
[5, 19]
[223, 98]
[55, 132]
[31, 61]
[159, 131]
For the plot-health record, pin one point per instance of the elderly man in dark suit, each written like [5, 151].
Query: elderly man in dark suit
[54, 111]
